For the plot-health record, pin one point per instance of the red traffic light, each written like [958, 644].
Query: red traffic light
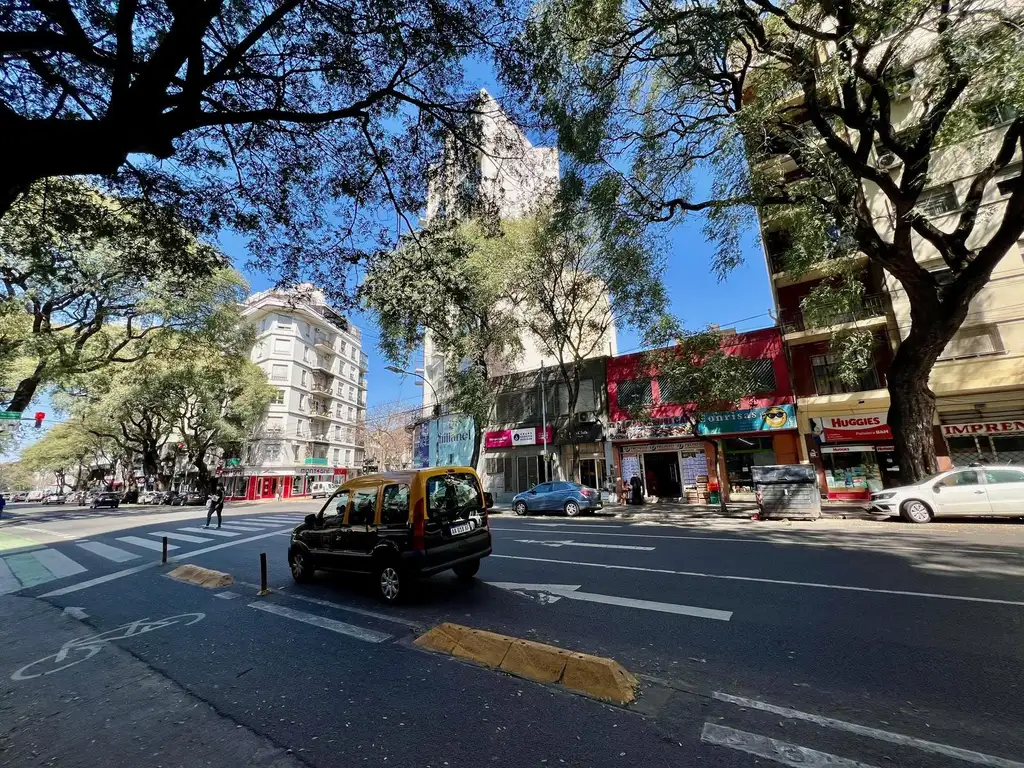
[40, 415]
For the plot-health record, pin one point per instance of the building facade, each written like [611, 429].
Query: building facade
[661, 449]
[313, 429]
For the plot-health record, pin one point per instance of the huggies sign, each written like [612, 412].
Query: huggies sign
[852, 428]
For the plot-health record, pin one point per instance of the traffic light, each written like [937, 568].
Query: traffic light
[40, 415]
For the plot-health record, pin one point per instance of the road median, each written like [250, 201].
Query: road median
[201, 577]
[593, 676]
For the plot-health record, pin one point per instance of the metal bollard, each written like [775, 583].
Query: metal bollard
[263, 574]
[164, 561]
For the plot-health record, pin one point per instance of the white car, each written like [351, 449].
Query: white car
[987, 490]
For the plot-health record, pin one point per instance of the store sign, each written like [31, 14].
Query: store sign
[657, 447]
[847, 449]
[588, 432]
[845, 429]
[451, 441]
[983, 428]
[421, 445]
[511, 438]
[748, 420]
[640, 429]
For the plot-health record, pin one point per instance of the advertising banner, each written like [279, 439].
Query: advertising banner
[983, 428]
[749, 420]
[421, 446]
[451, 441]
[510, 438]
[848, 429]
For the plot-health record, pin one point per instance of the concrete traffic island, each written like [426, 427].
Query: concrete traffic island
[201, 577]
[593, 676]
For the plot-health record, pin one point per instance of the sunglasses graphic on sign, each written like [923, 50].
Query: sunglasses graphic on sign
[775, 417]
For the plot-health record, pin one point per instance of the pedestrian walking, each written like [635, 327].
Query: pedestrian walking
[3, 503]
[637, 490]
[215, 504]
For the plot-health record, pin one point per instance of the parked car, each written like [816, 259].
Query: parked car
[130, 497]
[992, 490]
[148, 497]
[108, 499]
[322, 489]
[54, 498]
[558, 496]
[20, 496]
[165, 497]
[397, 526]
[190, 499]
[35, 495]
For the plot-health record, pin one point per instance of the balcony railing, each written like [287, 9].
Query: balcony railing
[320, 437]
[318, 386]
[827, 381]
[324, 341]
[793, 322]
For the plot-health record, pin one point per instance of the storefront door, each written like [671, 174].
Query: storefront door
[662, 475]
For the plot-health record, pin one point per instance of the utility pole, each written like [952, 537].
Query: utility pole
[544, 423]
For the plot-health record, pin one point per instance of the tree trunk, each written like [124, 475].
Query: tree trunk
[478, 437]
[26, 389]
[721, 480]
[911, 413]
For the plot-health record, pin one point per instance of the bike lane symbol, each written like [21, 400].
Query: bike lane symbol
[83, 648]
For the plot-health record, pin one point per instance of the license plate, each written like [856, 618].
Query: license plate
[457, 530]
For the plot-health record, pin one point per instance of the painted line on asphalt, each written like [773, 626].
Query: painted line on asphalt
[59, 564]
[359, 633]
[571, 543]
[782, 582]
[969, 755]
[782, 752]
[137, 541]
[8, 582]
[181, 537]
[576, 525]
[835, 545]
[282, 591]
[129, 571]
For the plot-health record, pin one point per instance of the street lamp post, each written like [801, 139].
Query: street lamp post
[437, 401]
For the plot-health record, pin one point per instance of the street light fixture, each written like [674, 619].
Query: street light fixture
[403, 372]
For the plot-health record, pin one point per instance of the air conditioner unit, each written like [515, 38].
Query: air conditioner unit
[584, 417]
[886, 161]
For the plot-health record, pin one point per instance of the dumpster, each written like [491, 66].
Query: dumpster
[787, 490]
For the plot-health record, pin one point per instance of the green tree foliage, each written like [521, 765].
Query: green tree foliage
[67, 451]
[15, 476]
[650, 100]
[290, 122]
[89, 280]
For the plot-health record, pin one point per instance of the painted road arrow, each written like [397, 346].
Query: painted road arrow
[571, 543]
[552, 593]
[75, 613]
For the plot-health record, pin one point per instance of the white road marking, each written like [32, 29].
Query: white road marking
[8, 582]
[571, 543]
[359, 633]
[572, 525]
[138, 541]
[979, 758]
[116, 554]
[240, 527]
[348, 608]
[57, 563]
[571, 592]
[215, 547]
[844, 544]
[282, 518]
[210, 531]
[227, 595]
[180, 537]
[781, 582]
[54, 534]
[75, 613]
[782, 752]
[262, 523]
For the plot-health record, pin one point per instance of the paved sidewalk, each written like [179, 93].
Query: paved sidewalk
[109, 710]
[670, 512]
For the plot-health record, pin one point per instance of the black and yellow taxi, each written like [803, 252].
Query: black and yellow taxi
[397, 526]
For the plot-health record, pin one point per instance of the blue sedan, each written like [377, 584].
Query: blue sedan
[571, 498]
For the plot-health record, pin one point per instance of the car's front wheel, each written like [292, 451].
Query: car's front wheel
[520, 508]
[390, 581]
[300, 565]
[572, 509]
[915, 511]
[467, 571]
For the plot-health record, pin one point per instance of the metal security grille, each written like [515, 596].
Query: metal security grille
[634, 392]
[990, 449]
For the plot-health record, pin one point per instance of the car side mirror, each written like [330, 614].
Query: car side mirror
[488, 500]
[533, 491]
[310, 520]
[937, 487]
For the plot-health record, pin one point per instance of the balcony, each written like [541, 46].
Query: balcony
[320, 386]
[320, 364]
[827, 381]
[320, 437]
[798, 330]
[364, 362]
[324, 341]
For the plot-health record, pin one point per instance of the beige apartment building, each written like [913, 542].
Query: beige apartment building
[979, 378]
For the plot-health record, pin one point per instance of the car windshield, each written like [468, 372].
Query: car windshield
[453, 496]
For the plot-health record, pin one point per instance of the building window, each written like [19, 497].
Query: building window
[307, 354]
[977, 341]
[282, 346]
[937, 200]
[351, 413]
[278, 397]
[302, 402]
[828, 382]
[1007, 180]
[635, 393]
[279, 373]
[272, 452]
[274, 425]
[284, 320]
[348, 457]
[337, 431]
[761, 375]
[585, 398]
[337, 456]
[303, 378]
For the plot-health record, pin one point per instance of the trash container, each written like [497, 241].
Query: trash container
[787, 490]
[714, 494]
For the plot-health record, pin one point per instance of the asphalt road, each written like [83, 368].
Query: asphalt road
[842, 644]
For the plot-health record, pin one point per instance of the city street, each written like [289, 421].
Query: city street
[837, 643]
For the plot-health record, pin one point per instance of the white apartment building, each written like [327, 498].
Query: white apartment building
[313, 430]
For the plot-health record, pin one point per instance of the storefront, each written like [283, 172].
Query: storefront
[593, 459]
[291, 482]
[853, 454]
[752, 437]
[515, 460]
[995, 441]
[668, 470]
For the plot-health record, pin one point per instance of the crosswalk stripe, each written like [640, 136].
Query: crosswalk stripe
[28, 570]
[180, 537]
[264, 523]
[116, 554]
[57, 563]
[210, 531]
[239, 527]
[138, 541]
[359, 633]
[8, 583]
[777, 751]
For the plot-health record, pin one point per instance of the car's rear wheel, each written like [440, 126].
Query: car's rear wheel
[390, 582]
[300, 565]
[520, 508]
[572, 509]
[467, 571]
[915, 511]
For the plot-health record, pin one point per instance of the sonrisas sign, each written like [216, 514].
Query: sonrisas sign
[983, 428]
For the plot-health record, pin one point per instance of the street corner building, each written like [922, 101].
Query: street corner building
[313, 429]
[671, 462]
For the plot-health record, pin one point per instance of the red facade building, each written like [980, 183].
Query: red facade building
[662, 451]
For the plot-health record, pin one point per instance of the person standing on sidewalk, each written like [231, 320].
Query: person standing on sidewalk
[215, 504]
[3, 503]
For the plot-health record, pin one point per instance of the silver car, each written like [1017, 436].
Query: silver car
[992, 490]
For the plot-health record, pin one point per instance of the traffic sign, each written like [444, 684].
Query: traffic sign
[10, 415]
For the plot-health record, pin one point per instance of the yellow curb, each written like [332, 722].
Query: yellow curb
[202, 577]
[594, 676]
